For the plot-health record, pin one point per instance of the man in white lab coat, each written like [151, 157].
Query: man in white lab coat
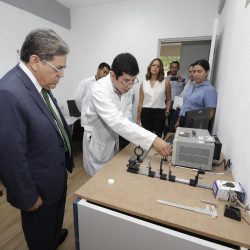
[85, 85]
[107, 114]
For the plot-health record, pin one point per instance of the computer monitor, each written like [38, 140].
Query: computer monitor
[198, 118]
[73, 110]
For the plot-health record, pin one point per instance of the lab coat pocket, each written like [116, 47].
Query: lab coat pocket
[101, 152]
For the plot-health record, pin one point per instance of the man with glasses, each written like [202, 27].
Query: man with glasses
[59, 70]
[107, 117]
[35, 147]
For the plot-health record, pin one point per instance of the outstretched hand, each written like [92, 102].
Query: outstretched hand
[162, 147]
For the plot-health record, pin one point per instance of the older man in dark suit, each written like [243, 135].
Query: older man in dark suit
[35, 146]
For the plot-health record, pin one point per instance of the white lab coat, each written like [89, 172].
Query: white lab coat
[83, 91]
[105, 119]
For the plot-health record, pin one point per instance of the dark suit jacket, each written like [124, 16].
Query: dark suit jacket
[32, 157]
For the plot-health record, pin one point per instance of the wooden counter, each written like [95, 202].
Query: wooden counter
[137, 194]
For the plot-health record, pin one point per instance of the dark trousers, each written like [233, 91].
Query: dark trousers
[153, 119]
[181, 121]
[174, 115]
[122, 143]
[42, 228]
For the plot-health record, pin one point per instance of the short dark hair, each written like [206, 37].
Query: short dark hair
[191, 65]
[160, 76]
[203, 63]
[102, 65]
[175, 62]
[45, 43]
[125, 63]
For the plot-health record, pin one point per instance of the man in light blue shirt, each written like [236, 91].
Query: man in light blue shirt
[177, 83]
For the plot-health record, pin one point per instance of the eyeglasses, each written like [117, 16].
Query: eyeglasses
[58, 70]
[129, 83]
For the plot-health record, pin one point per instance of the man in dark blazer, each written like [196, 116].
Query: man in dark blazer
[35, 149]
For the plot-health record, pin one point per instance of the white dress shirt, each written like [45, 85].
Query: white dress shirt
[82, 92]
[154, 97]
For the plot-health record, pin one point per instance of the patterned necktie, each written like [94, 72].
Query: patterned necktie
[58, 121]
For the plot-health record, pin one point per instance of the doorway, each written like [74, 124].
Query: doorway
[185, 50]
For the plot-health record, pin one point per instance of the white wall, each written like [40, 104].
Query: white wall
[232, 80]
[15, 24]
[102, 32]
[99, 33]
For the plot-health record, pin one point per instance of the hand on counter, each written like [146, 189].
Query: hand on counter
[162, 147]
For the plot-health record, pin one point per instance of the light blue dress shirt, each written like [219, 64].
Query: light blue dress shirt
[176, 86]
[199, 96]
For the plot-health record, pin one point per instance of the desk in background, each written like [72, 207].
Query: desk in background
[71, 119]
[76, 130]
[126, 216]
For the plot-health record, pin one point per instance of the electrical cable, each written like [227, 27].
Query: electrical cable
[227, 163]
[245, 220]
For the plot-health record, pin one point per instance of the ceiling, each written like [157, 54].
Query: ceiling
[73, 4]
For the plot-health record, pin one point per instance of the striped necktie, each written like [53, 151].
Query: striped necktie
[118, 93]
[58, 121]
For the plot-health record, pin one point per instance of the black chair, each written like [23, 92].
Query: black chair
[73, 110]
[76, 129]
[77, 135]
